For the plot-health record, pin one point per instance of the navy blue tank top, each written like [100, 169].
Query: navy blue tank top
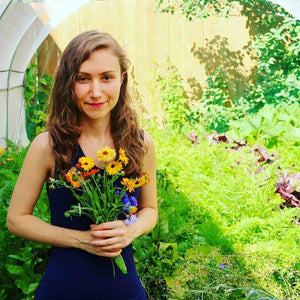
[74, 274]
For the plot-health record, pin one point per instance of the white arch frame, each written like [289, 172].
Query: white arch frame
[23, 27]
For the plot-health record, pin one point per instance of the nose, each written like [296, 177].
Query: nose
[95, 89]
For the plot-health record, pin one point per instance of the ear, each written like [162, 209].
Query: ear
[123, 76]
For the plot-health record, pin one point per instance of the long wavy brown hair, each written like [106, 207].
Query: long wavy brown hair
[64, 120]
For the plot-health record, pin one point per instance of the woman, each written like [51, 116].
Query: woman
[90, 109]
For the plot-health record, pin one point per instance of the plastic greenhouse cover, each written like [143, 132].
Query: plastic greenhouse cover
[23, 27]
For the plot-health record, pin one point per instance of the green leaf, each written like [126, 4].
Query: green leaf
[18, 257]
[120, 263]
[17, 270]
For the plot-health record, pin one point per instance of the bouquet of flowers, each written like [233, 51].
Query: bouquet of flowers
[99, 198]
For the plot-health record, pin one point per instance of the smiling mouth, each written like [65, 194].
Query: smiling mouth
[96, 105]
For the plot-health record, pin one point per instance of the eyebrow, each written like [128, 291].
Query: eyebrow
[103, 73]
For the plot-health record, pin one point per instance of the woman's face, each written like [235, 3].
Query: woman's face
[98, 84]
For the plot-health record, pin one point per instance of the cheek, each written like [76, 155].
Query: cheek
[76, 90]
[79, 90]
[114, 89]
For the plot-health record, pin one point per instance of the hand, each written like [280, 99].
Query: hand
[86, 243]
[111, 237]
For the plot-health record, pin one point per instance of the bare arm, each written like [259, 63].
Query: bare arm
[38, 164]
[115, 235]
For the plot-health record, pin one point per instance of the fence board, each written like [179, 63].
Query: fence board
[148, 36]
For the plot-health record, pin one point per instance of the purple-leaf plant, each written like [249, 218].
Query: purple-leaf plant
[288, 186]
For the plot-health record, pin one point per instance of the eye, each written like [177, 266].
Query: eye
[106, 77]
[82, 79]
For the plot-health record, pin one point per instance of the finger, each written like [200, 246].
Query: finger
[111, 243]
[114, 253]
[108, 225]
[108, 233]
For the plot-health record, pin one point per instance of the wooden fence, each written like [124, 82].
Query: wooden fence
[150, 37]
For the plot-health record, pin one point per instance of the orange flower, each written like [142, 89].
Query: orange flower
[73, 177]
[145, 175]
[90, 173]
[130, 184]
[132, 210]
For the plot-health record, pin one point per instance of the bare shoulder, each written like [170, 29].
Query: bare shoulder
[148, 139]
[41, 148]
[150, 156]
[43, 140]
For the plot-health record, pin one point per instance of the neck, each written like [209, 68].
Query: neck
[95, 128]
[95, 134]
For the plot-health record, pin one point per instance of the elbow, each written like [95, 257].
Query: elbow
[11, 223]
[155, 216]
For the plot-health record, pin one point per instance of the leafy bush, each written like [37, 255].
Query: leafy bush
[173, 97]
[158, 252]
[277, 76]
[23, 262]
[273, 125]
[36, 93]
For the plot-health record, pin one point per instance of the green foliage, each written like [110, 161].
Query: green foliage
[23, 262]
[158, 252]
[36, 93]
[213, 107]
[172, 96]
[218, 229]
[194, 9]
[277, 80]
[277, 73]
[219, 224]
[273, 125]
[199, 9]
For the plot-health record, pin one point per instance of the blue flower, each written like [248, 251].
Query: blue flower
[128, 203]
[133, 201]
[130, 220]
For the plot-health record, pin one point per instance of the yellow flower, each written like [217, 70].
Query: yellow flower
[2, 150]
[123, 157]
[10, 159]
[124, 181]
[106, 154]
[114, 167]
[139, 181]
[73, 177]
[86, 163]
[144, 179]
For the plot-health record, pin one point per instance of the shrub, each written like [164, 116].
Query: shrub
[23, 262]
